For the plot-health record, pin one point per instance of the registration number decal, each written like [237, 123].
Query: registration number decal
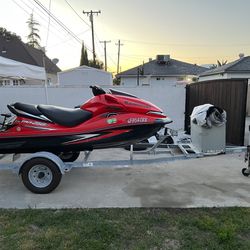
[137, 120]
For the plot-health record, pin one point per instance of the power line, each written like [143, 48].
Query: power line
[28, 13]
[65, 41]
[185, 44]
[42, 17]
[62, 25]
[72, 8]
[21, 7]
[76, 13]
[57, 20]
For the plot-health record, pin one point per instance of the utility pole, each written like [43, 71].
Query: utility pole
[105, 52]
[91, 19]
[118, 62]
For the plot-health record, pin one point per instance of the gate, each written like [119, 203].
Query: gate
[228, 94]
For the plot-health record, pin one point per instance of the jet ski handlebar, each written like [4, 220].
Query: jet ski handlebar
[96, 90]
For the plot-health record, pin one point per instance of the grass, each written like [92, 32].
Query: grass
[135, 228]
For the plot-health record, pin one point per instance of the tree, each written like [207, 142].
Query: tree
[85, 61]
[33, 37]
[213, 66]
[8, 35]
[84, 56]
[219, 64]
[117, 81]
[97, 64]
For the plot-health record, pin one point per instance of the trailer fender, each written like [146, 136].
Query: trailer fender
[50, 156]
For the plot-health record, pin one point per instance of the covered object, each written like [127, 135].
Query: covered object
[208, 129]
[14, 69]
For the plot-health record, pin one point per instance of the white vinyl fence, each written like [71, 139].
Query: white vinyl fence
[169, 98]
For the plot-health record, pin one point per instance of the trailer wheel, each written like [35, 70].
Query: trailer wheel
[40, 175]
[68, 156]
[244, 172]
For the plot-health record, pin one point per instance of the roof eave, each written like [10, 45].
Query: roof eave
[152, 75]
[213, 73]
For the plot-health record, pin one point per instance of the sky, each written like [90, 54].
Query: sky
[194, 31]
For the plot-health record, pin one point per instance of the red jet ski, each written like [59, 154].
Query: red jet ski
[107, 120]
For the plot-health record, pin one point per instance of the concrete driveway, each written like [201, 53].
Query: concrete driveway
[202, 182]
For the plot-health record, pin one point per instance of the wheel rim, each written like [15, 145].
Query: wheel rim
[40, 176]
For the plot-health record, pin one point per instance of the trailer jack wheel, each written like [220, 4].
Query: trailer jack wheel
[40, 175]
[245, 172]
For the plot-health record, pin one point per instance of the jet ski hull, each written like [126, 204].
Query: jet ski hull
[114, 137]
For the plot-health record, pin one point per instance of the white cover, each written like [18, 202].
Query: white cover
[11, 68]
[200, 117]
[200, 114]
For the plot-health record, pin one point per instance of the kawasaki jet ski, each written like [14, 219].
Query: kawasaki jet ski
[112, 119]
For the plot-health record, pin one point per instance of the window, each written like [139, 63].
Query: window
[15, 82]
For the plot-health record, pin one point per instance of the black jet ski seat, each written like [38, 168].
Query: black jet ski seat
[27, 108]
[65, 116]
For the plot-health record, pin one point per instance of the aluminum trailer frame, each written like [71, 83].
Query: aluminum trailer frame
[41, 172]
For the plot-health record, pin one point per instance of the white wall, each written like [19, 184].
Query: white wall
[170, 98]
[84, 77]
[150, 80]
[52, 79]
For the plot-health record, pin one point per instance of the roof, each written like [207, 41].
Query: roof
[84, 67]
[16, 50]
[242, 65]
[171, 68]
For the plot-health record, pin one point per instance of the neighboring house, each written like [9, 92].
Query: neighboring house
[13, 48]
[84, 76]
[233, 70]
[238, 69]
[161, 71]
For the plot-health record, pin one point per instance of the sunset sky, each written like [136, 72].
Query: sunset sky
[195, 31]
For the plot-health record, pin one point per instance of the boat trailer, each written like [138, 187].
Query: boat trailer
[41, 172]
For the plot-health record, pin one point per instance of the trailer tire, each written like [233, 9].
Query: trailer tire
[40, 175]
[243, 171]
[68, 156]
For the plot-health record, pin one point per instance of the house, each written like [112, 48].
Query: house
[234, 70]
[238, 69]
[84, 76]
[161, 71]
[13, 48]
